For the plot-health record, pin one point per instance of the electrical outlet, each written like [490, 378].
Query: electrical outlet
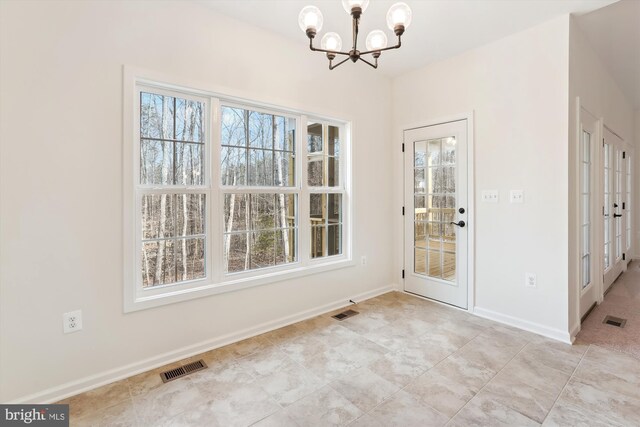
[490, 196]
[530, 280]
[72, 321]
[363, 260]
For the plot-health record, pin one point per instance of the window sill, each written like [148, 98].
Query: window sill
[143, 302]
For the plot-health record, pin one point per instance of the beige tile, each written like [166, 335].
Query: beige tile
[563, 415]
[279, 419]
[264, 362]
[329, 365]
[398, 368]
[411, 326]
[486, 412]
[361, 324]
[367, 421]
[364, 388]
[284, 335]
[519, 396]
[361, 351]
[121, 415]
[591, 395]
[242, 406]
[147, 381]
[616, 377]
[210, 381]
[554, 355]
[391, 337]
[464, 372]
[489, 353]
[529, 371]
[305, 347]
[325, 407]
[194, 417]
[168, 400]
[288, 385]
[93, 401]
[334, 334]
[248, 346]
[440, 393]
[612, 358]
[217, 357]
[403, 409]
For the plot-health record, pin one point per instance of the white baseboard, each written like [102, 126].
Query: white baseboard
[526, 325]
[574, 331]
[82, 385]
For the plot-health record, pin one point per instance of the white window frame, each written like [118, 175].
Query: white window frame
[216, 281]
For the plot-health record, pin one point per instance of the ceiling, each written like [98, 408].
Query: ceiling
[440, 28]
[614, 33]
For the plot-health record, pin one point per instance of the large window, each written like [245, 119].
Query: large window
[227, 195]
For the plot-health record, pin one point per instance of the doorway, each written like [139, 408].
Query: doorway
[436, 220]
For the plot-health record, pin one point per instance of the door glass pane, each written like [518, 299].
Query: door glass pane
[435, 174]
[607, 205]
[585, 185]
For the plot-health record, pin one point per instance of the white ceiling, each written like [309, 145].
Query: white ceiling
[614, 33]
[440, 28]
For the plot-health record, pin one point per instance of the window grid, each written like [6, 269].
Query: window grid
[607, 205]
[618, 201]
[169, 255]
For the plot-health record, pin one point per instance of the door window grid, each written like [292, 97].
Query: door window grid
[628, 204]
[586, 209]
[173, 223]
[434, 208]
[607, 206]
[618, 202]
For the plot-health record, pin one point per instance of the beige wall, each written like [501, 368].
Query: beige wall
[61, 182]
[517, 88]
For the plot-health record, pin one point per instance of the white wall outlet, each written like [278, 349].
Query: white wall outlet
[530, 280]
[363, 260]
[72, 321]
[516, 196]
[490, 196]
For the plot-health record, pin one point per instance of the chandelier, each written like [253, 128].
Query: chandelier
[398, 19]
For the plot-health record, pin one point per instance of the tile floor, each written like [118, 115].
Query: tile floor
[623, 300]
[403, 361]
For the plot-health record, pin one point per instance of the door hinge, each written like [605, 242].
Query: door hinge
[603, 142]
[403, 210]
[624, 154]
[623, 205]
[603, 210]
[403, 273]
[403, 147]
[624, 257]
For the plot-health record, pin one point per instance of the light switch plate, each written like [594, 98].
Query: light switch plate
[490, 196]
[516, 196]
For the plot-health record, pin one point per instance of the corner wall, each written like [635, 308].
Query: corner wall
[517, 88]
[61, 182]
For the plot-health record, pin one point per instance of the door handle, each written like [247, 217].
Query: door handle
[617, 215]
[459, 223]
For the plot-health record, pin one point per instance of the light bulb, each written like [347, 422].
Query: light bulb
[331, 41]
[376, 40]
[399, 14]
[310, 18]
[350, 4]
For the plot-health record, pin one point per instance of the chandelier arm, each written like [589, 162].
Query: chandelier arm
[367, 62]
[331, 66]
[355, 32]
[315, 49]
[397, 46]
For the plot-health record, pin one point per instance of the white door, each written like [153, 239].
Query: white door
[589, 287]
[435, 165]
[614, 179]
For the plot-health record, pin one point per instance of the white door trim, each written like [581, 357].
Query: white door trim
[471, 253]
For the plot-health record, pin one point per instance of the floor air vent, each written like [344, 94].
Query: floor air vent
[614, 321]
[174, 374]
[345, 314]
